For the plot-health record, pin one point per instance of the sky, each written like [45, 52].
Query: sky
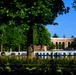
[66, 23]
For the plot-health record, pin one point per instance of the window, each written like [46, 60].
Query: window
[69, 44]
[56, 45]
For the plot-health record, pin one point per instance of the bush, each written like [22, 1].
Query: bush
[36, 66]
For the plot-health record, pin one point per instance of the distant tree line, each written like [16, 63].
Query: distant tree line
[56, 36]
[15, 38]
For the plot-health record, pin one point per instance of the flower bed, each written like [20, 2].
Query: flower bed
[36, 66]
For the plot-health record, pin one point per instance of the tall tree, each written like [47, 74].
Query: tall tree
[74, 4]
[30, 12]
[55, 36]
[12, 36]
[72, 36]
[41, 35]
[64, 36]
[2, 37]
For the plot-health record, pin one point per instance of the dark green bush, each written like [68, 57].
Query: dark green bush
[16, 65]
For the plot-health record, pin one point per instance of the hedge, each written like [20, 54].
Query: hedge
[16, 65]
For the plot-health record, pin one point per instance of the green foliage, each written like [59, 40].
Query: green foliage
[51, 46]
[22, 66]
[2, 35]
[12, 36]
[39, 11]
[16, 13]
[74, 4]
[35, 36]
[55, 36]
[40, 35]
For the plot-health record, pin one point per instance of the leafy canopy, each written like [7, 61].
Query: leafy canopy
[30, 11]
[74, 4]
[55, 36]
[26, 13]
[41, 35]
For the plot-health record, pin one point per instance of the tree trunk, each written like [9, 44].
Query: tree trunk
[1, 47]
[10, 49]
[19, 48]
[41, 48]
[30, 48]
[45, 48]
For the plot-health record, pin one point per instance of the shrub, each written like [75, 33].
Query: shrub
[36, 66]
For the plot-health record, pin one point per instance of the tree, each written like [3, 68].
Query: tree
[74, 4]
[30, 12]
[2, 37]
[35, 36]
[12, 36]
[55, 36]
[64, 36]
[51, 46]
[42, 35]
[72, 36]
